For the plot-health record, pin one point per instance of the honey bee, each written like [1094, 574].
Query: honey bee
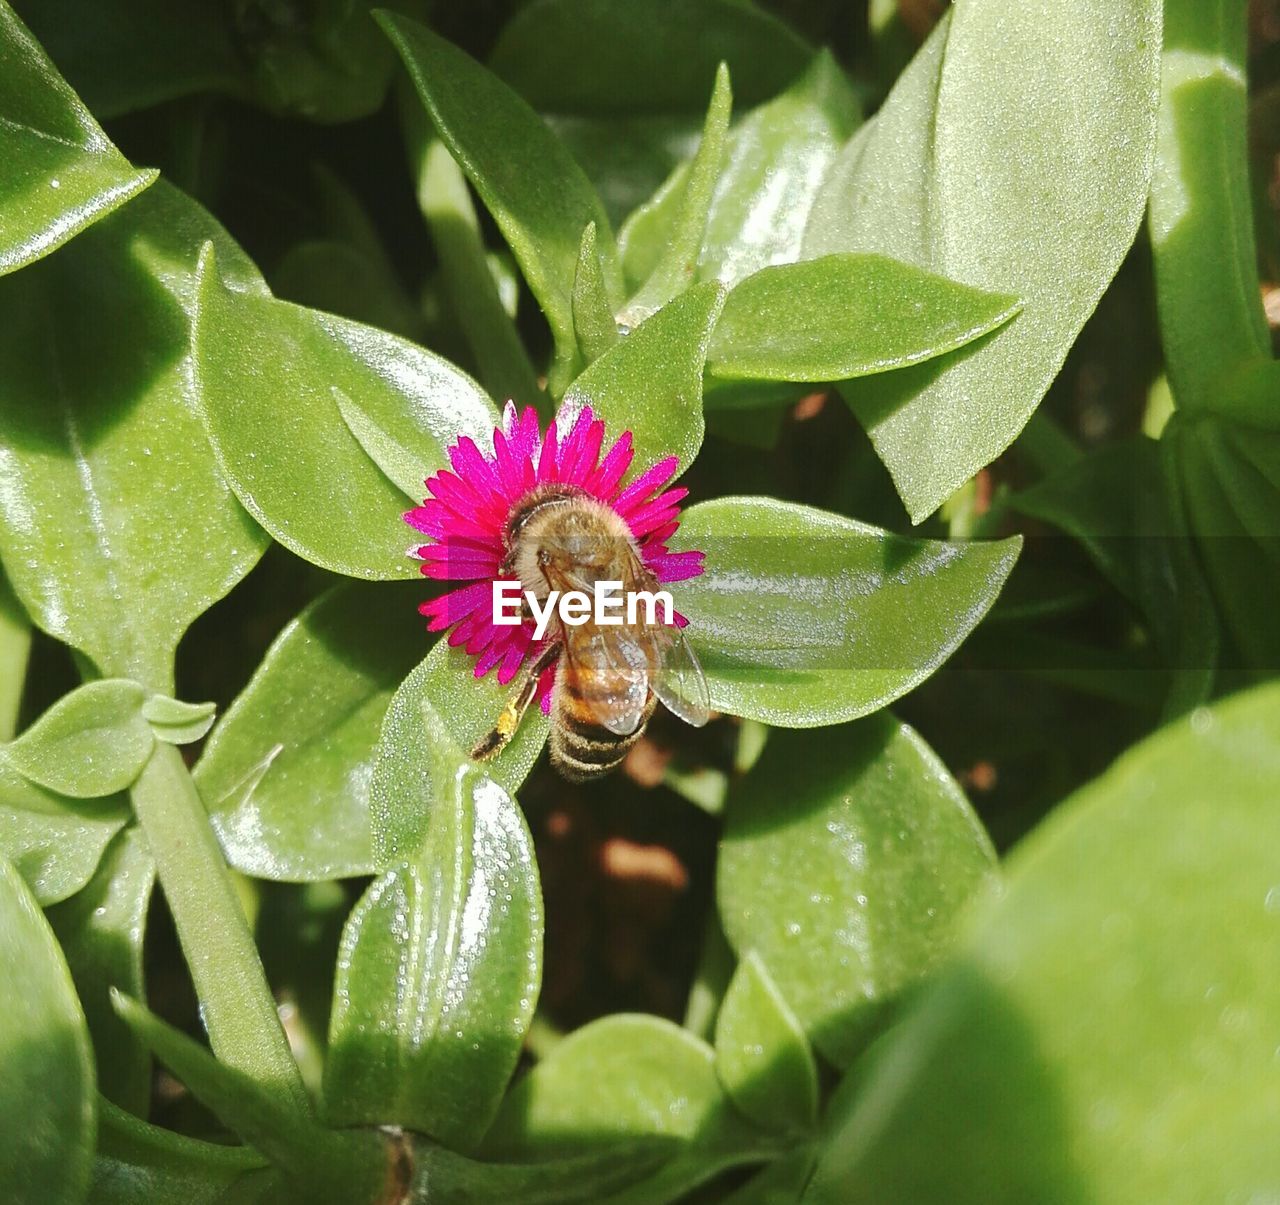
[610, 676]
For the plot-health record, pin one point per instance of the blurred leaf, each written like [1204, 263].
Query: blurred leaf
[677, 265]
[1023, 173]
[115, 526]
[1229, 480]
[404, 790]
[529, 182]
[47, 1116]
[846, 315]
[593, 57]
[476, 297]
[440, 966]
[847, 857]
[1108, 1034]
[321, 1165]
[101, 930]
[53, 842]
[321, 62]
[90, 743]
[286, 774]
[781, 1183]
[298, 469]
[803, 617]
[593, 320]
[777, 156]
[650, 382]
[762, 1055]
[175, 722]
[446, 1178]
[63, 174]
[1117, 503]
[628, 1075]
[137, 1162]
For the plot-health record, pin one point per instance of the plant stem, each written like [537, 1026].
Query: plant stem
[15, 647]
[501, 361]
[236, 1004]
[1211, 316]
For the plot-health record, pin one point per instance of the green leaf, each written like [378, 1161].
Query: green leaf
[404, 791]
[475, 296]
[440, 966]
[1022, 173]
[64, 173]
[298, 469]
[47, 1115]
[107, 484]
[803, 618]
[847, 857]
[593, 57]
[677, 265]
[323, 1165]
[286, 774]
[846, 315]
[1117, 502]
[529, 182]
[1228, 478]
[176, 722]
[1212, 322]
[593, 320]
[628, 1076]
[782, 1182]
[15, 653]
[137, 1162]
[101, 930]
[1108, 1033]
[446, 1178]
[776, 159]
[762, 1055]
[92, 742]
[650, 382]
[54, 843]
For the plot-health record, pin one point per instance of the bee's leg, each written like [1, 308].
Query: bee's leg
[493, 743]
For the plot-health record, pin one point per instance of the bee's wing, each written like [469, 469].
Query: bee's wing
[676, 676]
[607, 677]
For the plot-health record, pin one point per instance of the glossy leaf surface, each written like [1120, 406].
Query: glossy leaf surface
[101, 930]
[628, 1076]
[286, 773]
[92, 742]
[440, 966]
[99, 441]
[64, 174]
[404, 788]
[850, 893]
[803, 617]
[529, 182]
[762, 1054]
[775, 161]
[677, 265]
[1107, 1035]
[1023, 173]
[846, 315]
[46, 1092]
[300, 470]
[55, 843]
[650, 382]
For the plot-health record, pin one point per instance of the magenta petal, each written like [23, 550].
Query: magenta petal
[644, 485]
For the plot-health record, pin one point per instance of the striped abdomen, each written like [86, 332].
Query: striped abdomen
[581, 748]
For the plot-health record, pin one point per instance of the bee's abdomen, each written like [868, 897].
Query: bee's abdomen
[582, 749]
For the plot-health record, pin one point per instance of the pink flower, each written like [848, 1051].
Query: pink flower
[465, 520]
